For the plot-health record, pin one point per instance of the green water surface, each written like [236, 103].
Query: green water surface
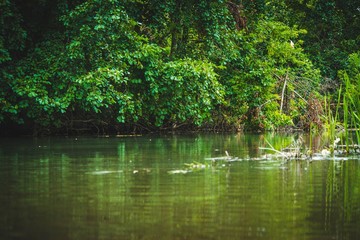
[139, 187]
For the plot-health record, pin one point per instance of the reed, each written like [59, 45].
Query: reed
[346, 117]
[346, 120]
[333, 124]
[351, 97]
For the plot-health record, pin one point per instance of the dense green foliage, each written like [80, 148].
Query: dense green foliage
[114, 65]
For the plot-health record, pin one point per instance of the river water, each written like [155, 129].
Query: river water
[165, 187]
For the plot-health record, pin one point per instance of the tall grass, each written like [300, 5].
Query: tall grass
[351, 107]
[333, 124]
[343, 121]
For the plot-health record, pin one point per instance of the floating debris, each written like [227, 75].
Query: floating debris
[296, 151]
[195, 165]
[103, 172]
[179, 171]
[141, 170]
[226, 158]
[190, 167]
[217, 158]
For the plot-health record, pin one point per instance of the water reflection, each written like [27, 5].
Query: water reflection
[121, 188]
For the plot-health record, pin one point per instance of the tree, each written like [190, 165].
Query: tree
[163, 64]
[102, 70]
[266, 59]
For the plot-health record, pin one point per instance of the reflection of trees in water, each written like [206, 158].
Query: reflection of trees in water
[143, 200]
[139, 185]
[253, 144]
[342, 198]
[335, 205]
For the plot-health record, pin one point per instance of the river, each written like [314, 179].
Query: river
[165, 187]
